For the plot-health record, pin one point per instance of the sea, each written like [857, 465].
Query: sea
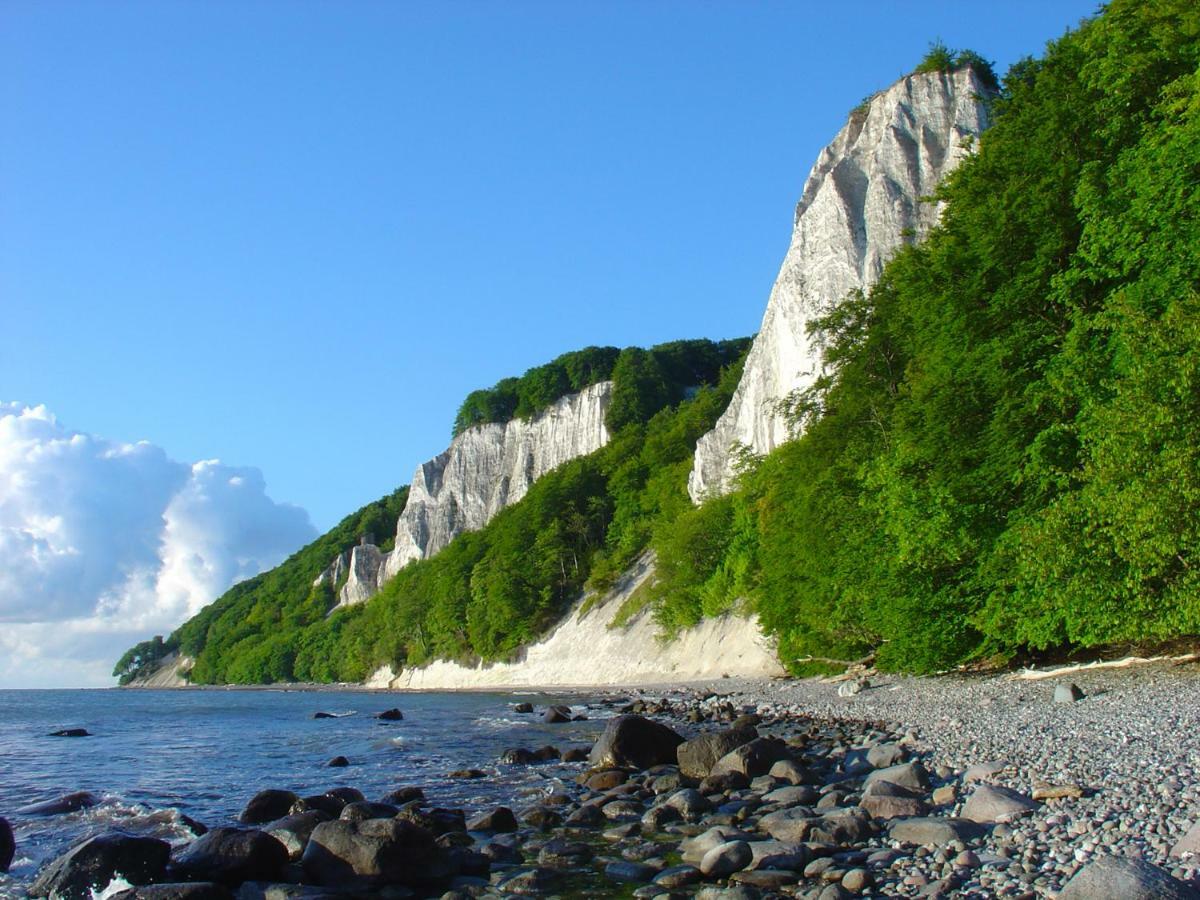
[156, 756]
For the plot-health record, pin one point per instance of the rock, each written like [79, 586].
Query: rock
[793, 795]
[678, 876]
[885, 800]
[401, 796]
[71, 732]
[575, 754]
[1043, 790]
[361, 810]
[267, 806]
[944, 796]
[546, 754]
[556, 714]
[500, 819]
[561, 853]
[531, 882]
[338, 762]
[523, 708]
[991, 804]
[752, 759]
[391, 715]
[436, 821]
[882, 756]
[689, 803]
[630, 741]
[911, 775]
[624, 872]
[935, 831]
[775, 854]
[857, 880]
[724, 783]
[541, 817]
[293, 831]
[331, 806]
[985, 771]
[373, 852]
[64, 804]
[1067, 693]
[788, 770]
[231, 856]
[734, 892]
[324, 715]
[467, 774]
[1128, 879]
[700, 754]
[606, 780]
[196, 890]
[588, 814]
[90, 865]
[517, 756]
[725, 859]
[694, 849]
[8, 845]
[851, 688]
[765, 879]
[861, 203]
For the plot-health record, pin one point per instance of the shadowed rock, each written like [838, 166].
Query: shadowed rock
[231, 856]
[89, 866]
[631, 741]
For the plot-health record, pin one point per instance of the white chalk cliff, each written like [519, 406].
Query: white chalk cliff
[485, 469]
[862, 201]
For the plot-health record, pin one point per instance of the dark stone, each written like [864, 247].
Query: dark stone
[561, 853]
[199, 890]
[64, 804]
[365, 809]
[523, 708]
[71, 732]
[468, 862]
[541, 817]
[588, 814]
[89, 866]
[338, 762]
[624, 872]
[324, 715]
[403, 795]
[346, 794]
[467, 773]
[518, 756]
[724, 783]
[436, 821]
[8, 845]
[605, 780]
[557, 714]
[331, 806]
[1129, 879]
[575, 754]
[231, 856]
[293, 831]
[196, 828]
[391, 715]
[700, 754]
[531, 882]
[500, 819]
[547, 754]
[267, 806]
[752, 759]
[631, 741]
[373, 852]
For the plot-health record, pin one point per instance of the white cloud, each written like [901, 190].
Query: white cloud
[104, 543]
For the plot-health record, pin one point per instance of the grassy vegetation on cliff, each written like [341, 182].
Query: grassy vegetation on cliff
[1006, 454]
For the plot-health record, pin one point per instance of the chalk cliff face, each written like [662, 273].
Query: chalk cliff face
[861, 202]
[484, 470]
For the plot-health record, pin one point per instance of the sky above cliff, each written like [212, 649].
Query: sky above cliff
[253, 255]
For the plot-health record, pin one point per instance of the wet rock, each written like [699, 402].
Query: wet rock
[324, 715]
[724, 783]
[1127, 879]
[541, 817]
[338, 762]
[517, 756]
[436, 821]
[390, 715]
[546, 754]
[557, 714]
[678, 876]
[588, 814]
[626, 872]
[523, 708]
[658, 816]
[606, 780]
[231, 856]
[364, 809]
[293, 831]
[1067, 693]
[725, 859]
[752, 759]
[700, 754]
[935, 831]
[401, 796]
[90, 865]
[765, 879]
[202, 890]
[575, 754]
[467, 773]
[630, 741]
[267, 806]
[991, 804]
[64, 804]
[373, 852]
[70, 732]
[8, 844]
[775, 854]
[500, 819]
[531, 882]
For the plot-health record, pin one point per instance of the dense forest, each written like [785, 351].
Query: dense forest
[1003, 453]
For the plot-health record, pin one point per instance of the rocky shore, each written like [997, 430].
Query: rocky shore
[1083, 786]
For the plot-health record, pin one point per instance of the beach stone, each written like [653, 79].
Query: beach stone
[401, 796]
[943, 796]
[857, 880]
[64, 804]
[792, 795]
[911, 775]
[724, 783]
[851, 688]
[774, 854]
[562, 853]
[630, 741]
[365, 809]
[700, 754]
[725, 859]
[233, 855]
[555, 715]
[789, 825]
[984, 771]
[541, 817]
[575, 754]
[1043, 790]
[467, 774]
[588, 814]
[753, 758]
[90, 865]
[1189, 844]
[345, 794]
[605, 780]
[436, 821]
[338, 762]
[765, 879]
[882, 756]
[293, 831]
[8, 845]
[523, 708]
[500, 819]
[390, 715]
[734, 892]
[517, 756]
[690, 804]
[886, 800]
[267, 806]
[1067, 693]
[373, 852]
[503, 854]
[658, 816]
[935, 831]
[626, 872]
[788, 770]
[693, 849]
[678, 876]
[531, 882]
[1127, 879]
[991, 804]
[197, 890]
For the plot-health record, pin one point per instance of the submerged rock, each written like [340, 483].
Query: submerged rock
[64, 804]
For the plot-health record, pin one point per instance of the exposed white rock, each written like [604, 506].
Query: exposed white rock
[583, 650]
[861, 202]
[169, 674]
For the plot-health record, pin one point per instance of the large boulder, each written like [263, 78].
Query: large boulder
[752, 759]
[267, 806]
[89, 866]
[632, 742]
[231, 856]
[8, 845]
[700, 754]
[1129, 879]
[885, 800]
[911, 775]
[371, 853]
[294, 831]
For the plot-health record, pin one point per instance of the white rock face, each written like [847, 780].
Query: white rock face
[861, 203]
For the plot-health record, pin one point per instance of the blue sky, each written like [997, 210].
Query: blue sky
[293, 235]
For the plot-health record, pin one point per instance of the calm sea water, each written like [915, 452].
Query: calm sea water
[158, 754]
